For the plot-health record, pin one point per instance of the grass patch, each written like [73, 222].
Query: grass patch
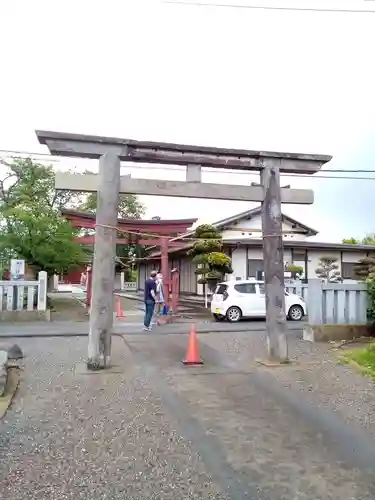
[362, 359]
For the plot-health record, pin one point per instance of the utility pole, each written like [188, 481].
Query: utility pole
[273, 263]
[103, 279]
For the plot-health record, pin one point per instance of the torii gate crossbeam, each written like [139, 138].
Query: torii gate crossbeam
[162, 230]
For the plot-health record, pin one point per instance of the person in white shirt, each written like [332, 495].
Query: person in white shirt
[160, 301]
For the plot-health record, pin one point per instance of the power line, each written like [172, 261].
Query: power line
[10, 153]
[58, 159]
[265, 7]
[20, 154]
[348, 177]
[25, 153]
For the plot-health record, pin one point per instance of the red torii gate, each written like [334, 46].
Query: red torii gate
[158, 233]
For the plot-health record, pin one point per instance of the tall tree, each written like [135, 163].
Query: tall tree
[369, 239]
[328, 270]
[31, 225]
[351, 241]
[129, 208]
[25, 183]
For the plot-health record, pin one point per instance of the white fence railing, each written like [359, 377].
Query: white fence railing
[127, 286]
[337, 303]
[130, 286]
[332, 303]
[24, 295]
[298, 288]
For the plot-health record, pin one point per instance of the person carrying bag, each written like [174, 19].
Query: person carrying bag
[160, 301]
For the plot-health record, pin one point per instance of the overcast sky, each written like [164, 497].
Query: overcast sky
[257, 79]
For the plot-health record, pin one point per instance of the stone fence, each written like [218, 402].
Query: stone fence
[23, 297]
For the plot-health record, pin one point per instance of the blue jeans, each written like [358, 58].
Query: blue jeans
[149, 311]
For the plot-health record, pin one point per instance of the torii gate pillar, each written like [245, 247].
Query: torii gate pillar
[103, 277]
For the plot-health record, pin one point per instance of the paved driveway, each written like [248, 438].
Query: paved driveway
[134, 326]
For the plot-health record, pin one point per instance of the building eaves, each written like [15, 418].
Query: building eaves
[248, 214]
[305, 244]
[257, 211]
[287, 244]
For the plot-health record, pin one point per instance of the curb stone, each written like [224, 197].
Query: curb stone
[3, 371]
[13, 350]
[13, 379]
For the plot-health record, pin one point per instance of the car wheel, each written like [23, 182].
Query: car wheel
[295, 313]
[234, 314]
[218, 317]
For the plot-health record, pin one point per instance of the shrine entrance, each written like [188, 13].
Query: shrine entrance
[151, 233]
[109, 183]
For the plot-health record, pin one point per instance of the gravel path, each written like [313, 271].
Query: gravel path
[317, 375]
[228, 430]
[92, 437]
[272, 436]
[328, 384]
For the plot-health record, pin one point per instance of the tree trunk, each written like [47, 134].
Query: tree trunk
[50, 287]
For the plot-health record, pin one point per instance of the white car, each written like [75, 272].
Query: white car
[234, 300]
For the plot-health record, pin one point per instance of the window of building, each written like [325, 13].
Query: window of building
[254, 268]
[298, 254]
[245, 288]
[348, 271]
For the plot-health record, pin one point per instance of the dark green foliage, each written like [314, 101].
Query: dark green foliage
[295, 270]
[370, 282]
[31, 225]
[351, 241]
[364, 267]
[328, 270]
[369, 239]
[206, 252]
[129, 208]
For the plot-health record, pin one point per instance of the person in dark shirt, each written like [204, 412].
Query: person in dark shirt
[149, 299]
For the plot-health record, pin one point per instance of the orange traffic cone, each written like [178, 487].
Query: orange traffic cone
[119, 312]
[192, 354]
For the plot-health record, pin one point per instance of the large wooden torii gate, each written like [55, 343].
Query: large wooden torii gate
[109, 183]
[137, 229]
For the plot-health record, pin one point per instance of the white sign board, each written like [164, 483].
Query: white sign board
[130, 286]
[17, 269]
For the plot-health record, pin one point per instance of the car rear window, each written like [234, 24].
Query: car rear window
[220, 289]
[245, 288]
